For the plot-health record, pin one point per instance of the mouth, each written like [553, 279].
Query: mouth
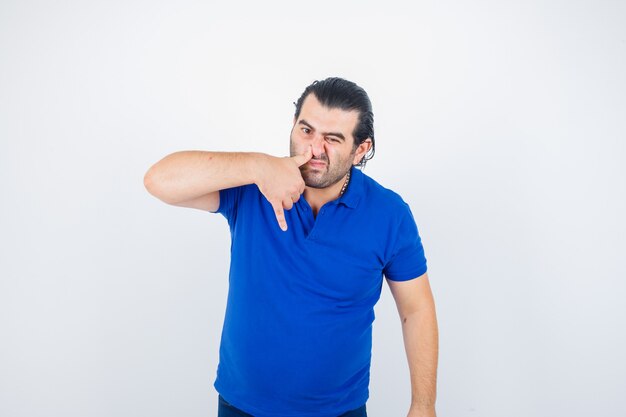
[316, 164]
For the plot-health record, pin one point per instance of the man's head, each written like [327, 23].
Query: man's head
[335, 117]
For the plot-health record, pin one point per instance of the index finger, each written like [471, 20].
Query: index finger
[280, 215]
[302, 159]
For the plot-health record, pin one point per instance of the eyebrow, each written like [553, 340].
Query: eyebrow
[337, 134]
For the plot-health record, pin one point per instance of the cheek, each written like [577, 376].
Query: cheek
[296, 142]
[331, 151]
[338, 154]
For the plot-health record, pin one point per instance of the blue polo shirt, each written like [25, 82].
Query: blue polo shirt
[297, 333]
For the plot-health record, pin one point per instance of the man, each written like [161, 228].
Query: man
[306, 272]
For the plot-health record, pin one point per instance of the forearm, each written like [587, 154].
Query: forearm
[421, 342]
[185, 175]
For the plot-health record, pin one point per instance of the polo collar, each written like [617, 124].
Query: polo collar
[353, 193]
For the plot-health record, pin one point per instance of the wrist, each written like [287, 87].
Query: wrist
[255, 166]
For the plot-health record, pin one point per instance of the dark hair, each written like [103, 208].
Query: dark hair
[338, 93]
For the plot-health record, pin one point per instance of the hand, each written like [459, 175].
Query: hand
[280, 182]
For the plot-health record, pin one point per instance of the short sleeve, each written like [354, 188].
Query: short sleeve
[229, 197]
[407, 258]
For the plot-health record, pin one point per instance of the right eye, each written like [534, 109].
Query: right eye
[306, 130]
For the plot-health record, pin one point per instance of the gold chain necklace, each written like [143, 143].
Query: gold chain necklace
[345, 185]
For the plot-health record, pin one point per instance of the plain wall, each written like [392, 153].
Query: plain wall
[501, 123]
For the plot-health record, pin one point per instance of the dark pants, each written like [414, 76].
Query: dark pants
[227, 410]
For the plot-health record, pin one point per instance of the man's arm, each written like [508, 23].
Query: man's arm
[188, 175]
[416, 308]
[194, 178]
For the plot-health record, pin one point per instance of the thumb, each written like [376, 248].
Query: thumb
[302, 159]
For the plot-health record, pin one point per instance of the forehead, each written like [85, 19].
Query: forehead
[328, 119]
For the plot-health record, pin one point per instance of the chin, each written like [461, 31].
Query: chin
[314, 181]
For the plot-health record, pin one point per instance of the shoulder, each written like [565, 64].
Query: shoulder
[380, 197]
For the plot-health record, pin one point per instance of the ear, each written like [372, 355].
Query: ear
[361, 150]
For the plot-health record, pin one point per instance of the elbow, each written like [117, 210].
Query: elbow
[149, 181]
[151, 184]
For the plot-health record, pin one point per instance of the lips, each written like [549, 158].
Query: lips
[317, 163]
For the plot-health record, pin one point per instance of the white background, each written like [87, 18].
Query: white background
[501, 123]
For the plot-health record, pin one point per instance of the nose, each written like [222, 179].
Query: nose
[318, 146]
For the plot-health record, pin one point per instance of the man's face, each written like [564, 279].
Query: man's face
[329, 132]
